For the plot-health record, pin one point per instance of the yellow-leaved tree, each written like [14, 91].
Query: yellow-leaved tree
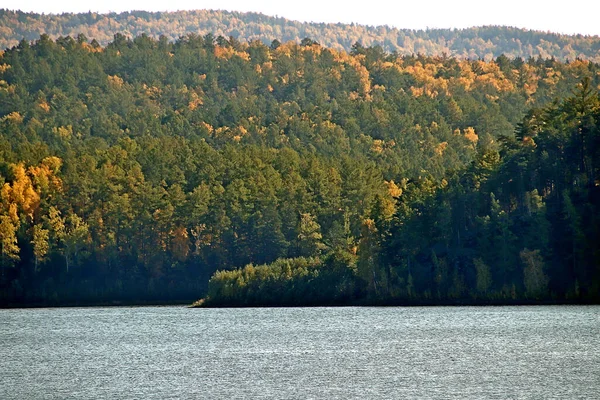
[9, 251]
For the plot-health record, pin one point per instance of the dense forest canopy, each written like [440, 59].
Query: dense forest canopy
[303, 174]
[475, 43]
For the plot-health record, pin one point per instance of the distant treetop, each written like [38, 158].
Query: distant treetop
[475, 43]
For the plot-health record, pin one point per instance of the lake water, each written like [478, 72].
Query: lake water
[301, 353]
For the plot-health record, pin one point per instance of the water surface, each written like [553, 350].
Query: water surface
[321, 353]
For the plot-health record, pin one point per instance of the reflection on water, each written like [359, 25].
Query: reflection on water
[324, 353]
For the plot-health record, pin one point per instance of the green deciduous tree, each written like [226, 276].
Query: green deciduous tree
[40, 243]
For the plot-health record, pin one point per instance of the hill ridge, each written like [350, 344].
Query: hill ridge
[478, 42]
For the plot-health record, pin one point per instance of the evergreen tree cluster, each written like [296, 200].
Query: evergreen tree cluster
[304, 174]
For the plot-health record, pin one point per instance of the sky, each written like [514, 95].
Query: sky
[572, 17]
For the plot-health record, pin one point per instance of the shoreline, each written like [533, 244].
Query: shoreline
[91, 304]
[202, 303]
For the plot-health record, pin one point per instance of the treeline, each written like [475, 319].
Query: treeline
[133, 172]
[474, 43]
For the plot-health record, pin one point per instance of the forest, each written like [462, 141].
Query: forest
[157, 171]
[486, 42]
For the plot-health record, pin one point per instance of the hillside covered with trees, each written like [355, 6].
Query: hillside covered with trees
[475, 43]
[133, 172]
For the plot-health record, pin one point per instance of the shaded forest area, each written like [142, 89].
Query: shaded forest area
[293, 174]
[486, 42]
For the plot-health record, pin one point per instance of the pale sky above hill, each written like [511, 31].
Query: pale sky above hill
[575, 16]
